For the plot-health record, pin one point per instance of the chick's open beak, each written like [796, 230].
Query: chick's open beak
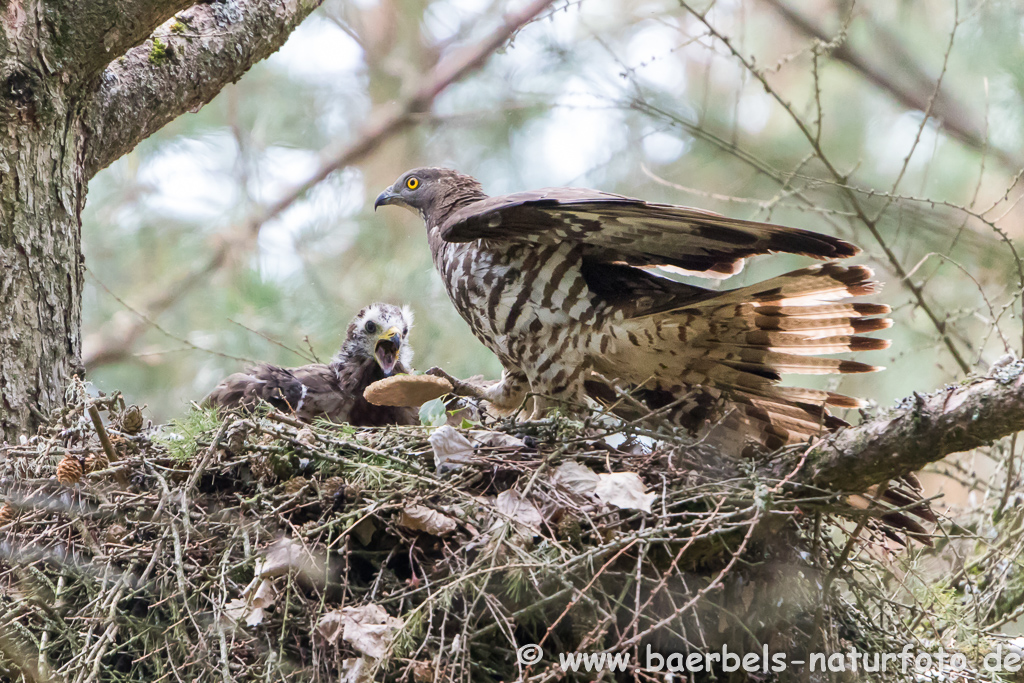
[386, 350]
[384, 198]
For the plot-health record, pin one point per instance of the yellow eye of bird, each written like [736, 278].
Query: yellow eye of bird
[412, 183]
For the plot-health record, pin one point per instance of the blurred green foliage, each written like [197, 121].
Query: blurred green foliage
[611, 94]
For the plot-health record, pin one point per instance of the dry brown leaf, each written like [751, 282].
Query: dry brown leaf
[306, 436]
[234, 611]
[450, 447]
[329, 626]
[364, 530]
[369, 629]
[624, 490]
[251, 607]
[577, 478]
[484, 438]
[511, 503]
[422, 518]
[356, 670]
[288, 555]
[265, 595]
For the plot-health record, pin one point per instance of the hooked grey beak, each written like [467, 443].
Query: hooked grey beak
[384, 198]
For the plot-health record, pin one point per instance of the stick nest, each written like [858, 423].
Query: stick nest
[233, 547]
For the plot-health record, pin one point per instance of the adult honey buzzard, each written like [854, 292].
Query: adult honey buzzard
[556, 282]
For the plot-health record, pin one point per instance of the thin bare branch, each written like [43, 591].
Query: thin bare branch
[848, 194]
[913, 89]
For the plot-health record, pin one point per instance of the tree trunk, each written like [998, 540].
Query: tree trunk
[43, 190]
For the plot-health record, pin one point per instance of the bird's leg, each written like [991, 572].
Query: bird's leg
[506, 395]
[459, 388]
[540, 407]
[559, 385]
[509, 393]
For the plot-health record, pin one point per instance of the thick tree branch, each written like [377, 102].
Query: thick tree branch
[91, 34]
[923, 429]
[180, 68]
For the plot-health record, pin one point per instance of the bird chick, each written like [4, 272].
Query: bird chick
[376, 346]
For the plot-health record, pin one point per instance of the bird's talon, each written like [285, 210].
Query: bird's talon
[438, 372]
[459, 388]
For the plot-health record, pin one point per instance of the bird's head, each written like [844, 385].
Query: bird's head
[380, 332]
[431, 191]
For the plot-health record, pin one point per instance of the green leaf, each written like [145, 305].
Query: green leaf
[433, 413]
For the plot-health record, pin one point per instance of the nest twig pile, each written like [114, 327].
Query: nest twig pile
[258, 548]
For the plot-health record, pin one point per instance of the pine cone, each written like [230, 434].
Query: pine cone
[114, 533]
[234, 440]
[308, 526]
[569, 530]
[262, 469]
[306, 437]
[131, 419]
[8, 514]
[332, 486]
[69, 470]
[120, 445]
[94, 462]
[295, 484]
[423, 671]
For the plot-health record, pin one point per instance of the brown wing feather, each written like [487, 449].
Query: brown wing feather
[324, 396]
[621, 229]
[309, 391]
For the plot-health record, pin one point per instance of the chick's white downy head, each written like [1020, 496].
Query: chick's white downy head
[381, 332]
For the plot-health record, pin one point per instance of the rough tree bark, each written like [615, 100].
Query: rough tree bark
[921, 429]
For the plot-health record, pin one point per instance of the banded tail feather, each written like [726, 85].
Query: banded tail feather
[740, 342]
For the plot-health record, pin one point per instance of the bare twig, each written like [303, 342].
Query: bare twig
[913, 89]
[101, 432]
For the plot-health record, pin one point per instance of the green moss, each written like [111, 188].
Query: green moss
[178, 27]
[160, 52]
[180, 437]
